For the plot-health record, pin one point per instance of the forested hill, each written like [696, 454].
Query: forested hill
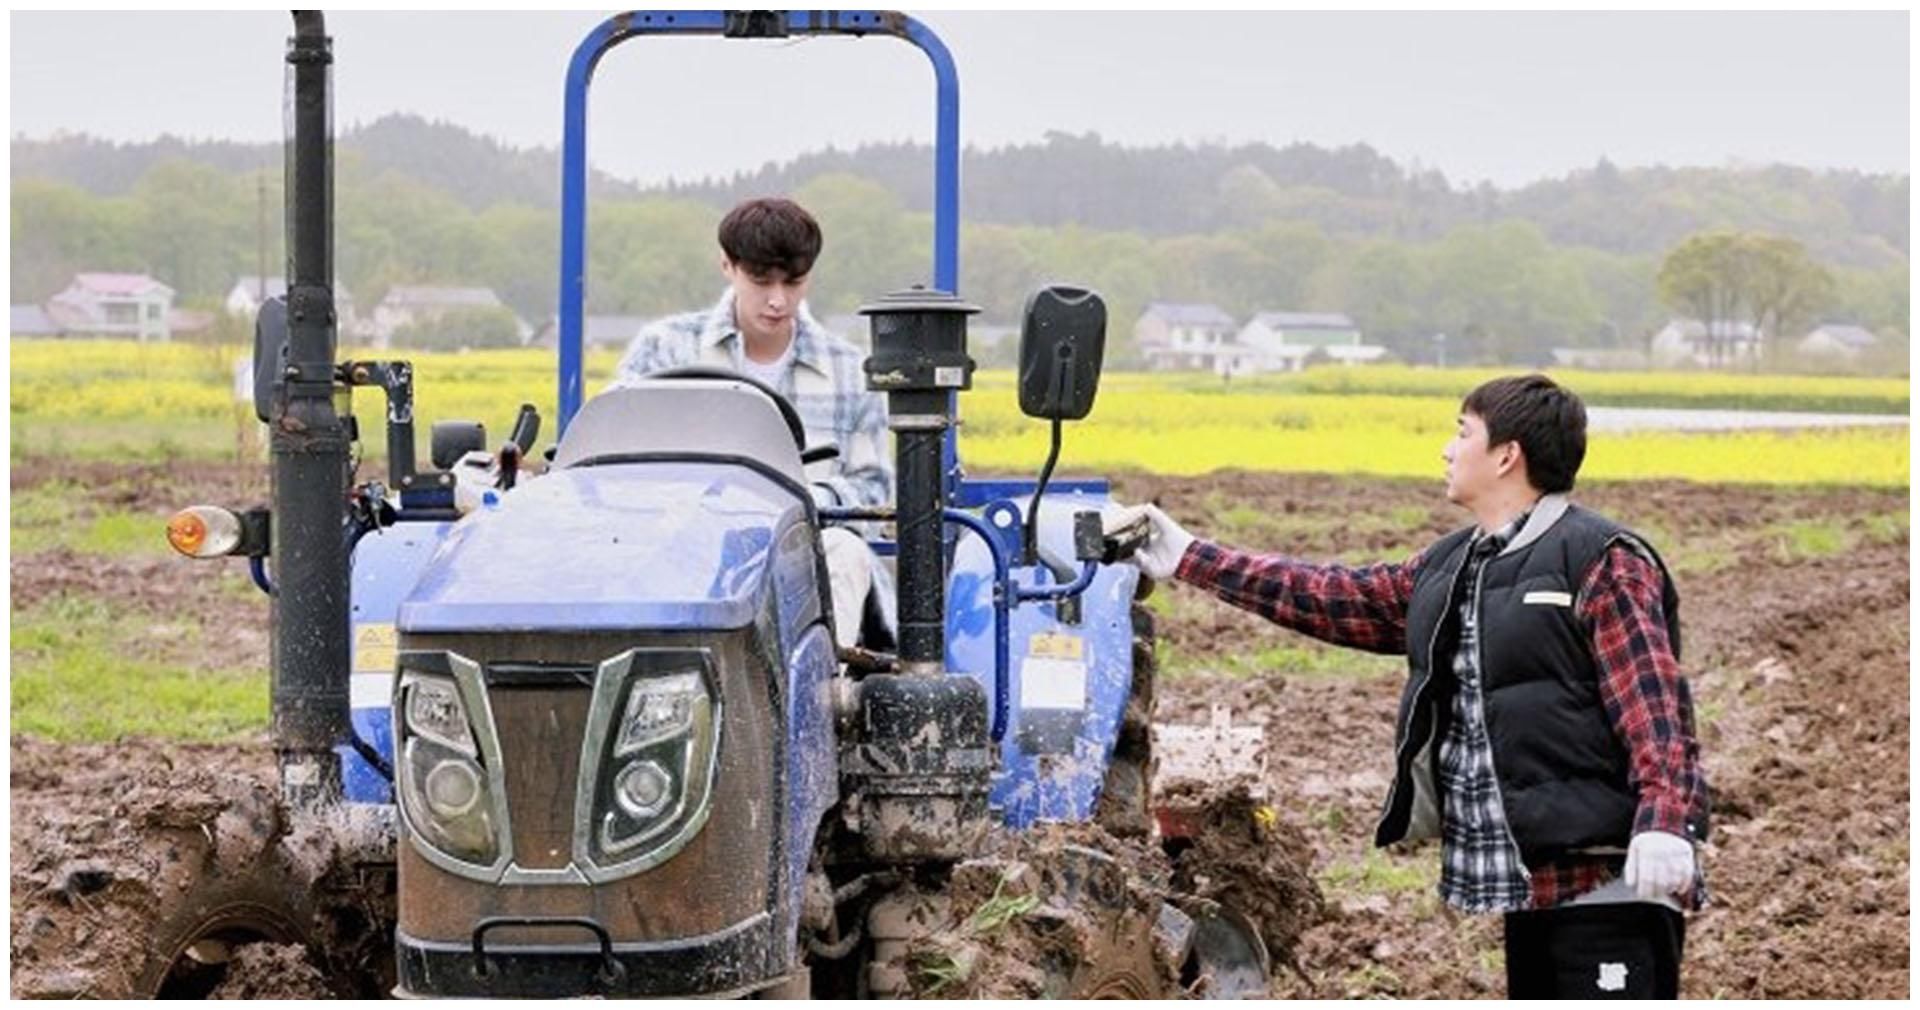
[1507, 274]
[1845, 218]
[1849, 218]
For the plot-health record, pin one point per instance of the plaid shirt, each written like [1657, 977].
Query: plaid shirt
[824, 382]
[1480, 865]
[1646, 699]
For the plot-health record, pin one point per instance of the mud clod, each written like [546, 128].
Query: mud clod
[272, 971]
[1246, 857]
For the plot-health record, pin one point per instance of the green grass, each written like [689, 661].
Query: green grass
[58, 514]
[1808, 539]
[1383, 873]
[129, 439]
[76, 678]
[1373, 978]
[1886, 527]
[1313, 662]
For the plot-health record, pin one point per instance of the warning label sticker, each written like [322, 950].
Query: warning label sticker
[374, 646]
[1050, 646]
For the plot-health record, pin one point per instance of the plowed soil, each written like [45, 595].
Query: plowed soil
[1798, 658]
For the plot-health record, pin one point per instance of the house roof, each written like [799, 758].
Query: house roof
[1189, 314]
[399, 295]
[1305, 320]
[118, 284]
[1848, 334]
[31, 321]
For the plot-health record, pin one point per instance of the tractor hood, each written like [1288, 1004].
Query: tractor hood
[679, 546]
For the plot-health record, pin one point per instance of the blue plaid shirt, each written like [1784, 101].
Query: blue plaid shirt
[823, 380]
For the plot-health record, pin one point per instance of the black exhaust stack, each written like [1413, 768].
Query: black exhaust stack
[311, 446]
[923, 760]
[920, 360]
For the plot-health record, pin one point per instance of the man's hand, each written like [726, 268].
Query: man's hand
[1166, 542]
[1659, 864]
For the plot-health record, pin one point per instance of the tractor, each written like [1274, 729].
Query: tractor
[582, 728]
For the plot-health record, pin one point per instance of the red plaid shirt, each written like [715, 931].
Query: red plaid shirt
[1645, 697]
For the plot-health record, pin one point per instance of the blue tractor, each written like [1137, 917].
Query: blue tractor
[596, 716]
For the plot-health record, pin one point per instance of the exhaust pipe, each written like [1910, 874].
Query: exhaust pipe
[920, 361]
[310, 447]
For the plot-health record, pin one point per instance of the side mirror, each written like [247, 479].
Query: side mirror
[452, 440]
[1063, 336]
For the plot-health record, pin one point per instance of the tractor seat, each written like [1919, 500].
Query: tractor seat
[706, 417]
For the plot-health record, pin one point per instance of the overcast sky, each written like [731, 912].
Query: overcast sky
[1508, 97]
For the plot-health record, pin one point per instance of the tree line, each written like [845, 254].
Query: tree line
[1505, 274]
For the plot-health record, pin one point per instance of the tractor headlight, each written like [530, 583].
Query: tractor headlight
[657, 773]
[434, 711]
[444, 787]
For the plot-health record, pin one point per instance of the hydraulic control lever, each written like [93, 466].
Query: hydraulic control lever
[526, 428]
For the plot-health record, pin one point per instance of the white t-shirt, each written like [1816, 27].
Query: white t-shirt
[774, 372]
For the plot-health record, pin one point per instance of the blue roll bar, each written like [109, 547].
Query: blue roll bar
[573, 170]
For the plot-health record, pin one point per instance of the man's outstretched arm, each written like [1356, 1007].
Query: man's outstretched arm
[1360, 608]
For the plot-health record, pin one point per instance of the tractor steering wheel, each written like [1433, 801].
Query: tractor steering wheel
[787, 411]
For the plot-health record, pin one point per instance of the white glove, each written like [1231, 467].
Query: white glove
[1659, 864]
[1166, 542]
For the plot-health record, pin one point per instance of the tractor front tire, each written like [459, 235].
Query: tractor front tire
[222, 888]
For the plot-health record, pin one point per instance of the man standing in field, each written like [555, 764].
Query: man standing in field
[1545, 734]
[761, 328]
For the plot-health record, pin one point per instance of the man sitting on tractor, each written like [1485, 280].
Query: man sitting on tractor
[761, 329]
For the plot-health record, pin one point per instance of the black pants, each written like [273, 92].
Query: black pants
[1625, 951]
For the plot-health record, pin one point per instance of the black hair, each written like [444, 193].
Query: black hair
[1547, 419]
[771, 234]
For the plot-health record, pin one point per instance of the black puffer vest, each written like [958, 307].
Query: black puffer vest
[1562, 771]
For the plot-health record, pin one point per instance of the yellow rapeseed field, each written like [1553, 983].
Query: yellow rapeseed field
[1389, 421]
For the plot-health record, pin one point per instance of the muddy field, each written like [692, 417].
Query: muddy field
[1797, 644]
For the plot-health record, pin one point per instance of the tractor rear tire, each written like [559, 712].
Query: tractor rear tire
[1124, 806]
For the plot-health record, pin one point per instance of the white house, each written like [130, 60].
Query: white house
[249, 290]
[1287, 341]
[114, 305]
[1838, 340]
[1297, 329]
[406, 305]
[1174, 335]
[1691, 342]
